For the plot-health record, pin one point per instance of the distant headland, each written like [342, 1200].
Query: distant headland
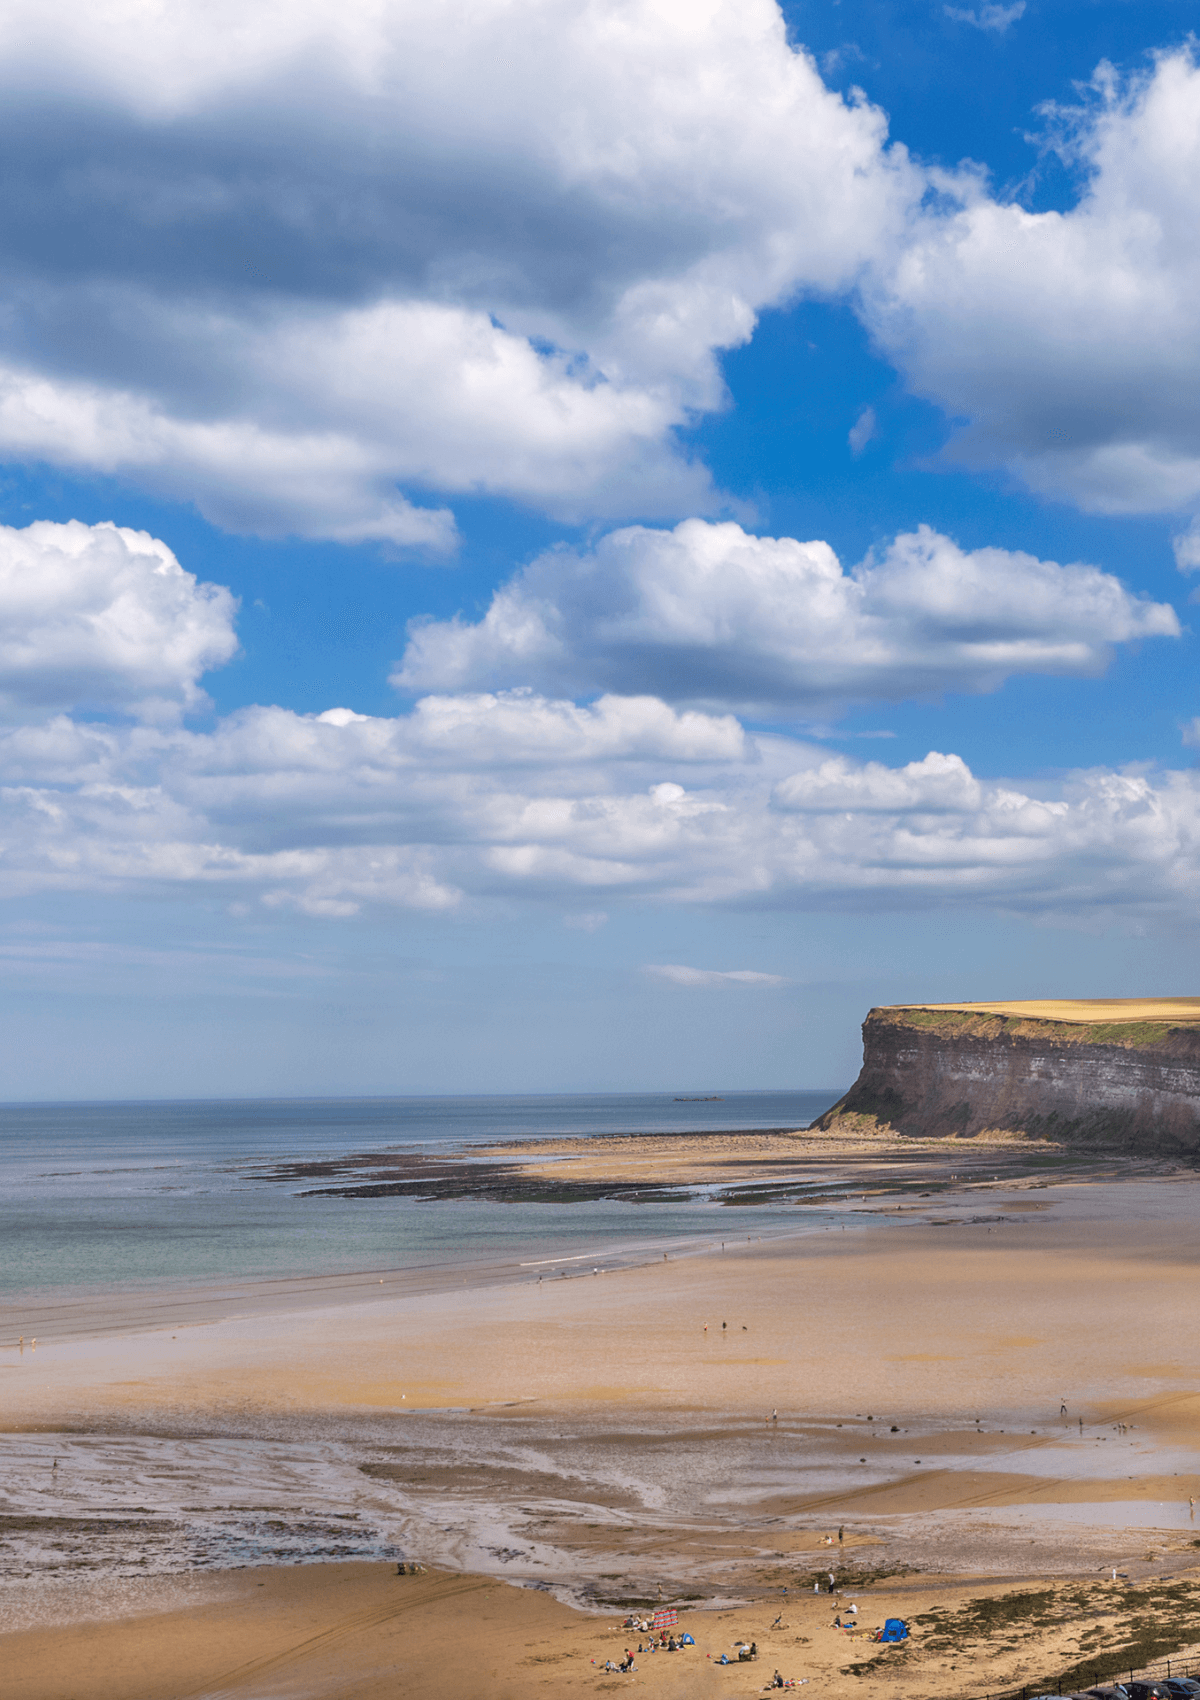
[1119, 1073]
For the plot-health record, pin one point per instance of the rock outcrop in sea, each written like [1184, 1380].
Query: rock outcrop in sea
[1100, 1078]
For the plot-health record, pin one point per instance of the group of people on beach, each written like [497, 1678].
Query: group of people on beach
[745, 1650]
[664, 1643]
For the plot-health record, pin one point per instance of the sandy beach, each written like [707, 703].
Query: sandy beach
[359, 1631]
[688, 1423]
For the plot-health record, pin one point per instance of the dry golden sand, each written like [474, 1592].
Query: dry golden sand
[361, 1632]
[993, 1301]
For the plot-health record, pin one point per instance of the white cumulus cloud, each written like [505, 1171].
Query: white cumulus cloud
[710, 614]
[1070, 341]
[937, 784]
[100, 617]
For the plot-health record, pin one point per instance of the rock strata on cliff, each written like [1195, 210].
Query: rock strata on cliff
[1122, 1075]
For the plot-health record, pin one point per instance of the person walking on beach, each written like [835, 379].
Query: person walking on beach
[1063, 1409]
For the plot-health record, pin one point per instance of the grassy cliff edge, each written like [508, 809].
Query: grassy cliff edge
[1112, 1074]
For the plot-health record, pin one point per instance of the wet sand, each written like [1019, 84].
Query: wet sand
[602, 1435]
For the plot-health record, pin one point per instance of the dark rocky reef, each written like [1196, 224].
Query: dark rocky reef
[376, 1174]
[1121, 1086]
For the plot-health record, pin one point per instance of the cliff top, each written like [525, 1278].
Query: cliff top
[1086, 1010]
[1136, 1022]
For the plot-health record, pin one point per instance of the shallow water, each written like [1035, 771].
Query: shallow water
[99, 1197]
[589, 1510]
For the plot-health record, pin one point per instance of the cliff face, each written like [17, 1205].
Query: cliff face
[1131, 1086]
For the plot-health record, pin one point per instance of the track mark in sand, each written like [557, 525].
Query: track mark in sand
[229, 1681]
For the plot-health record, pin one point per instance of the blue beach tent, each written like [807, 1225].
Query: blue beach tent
[895, 1629]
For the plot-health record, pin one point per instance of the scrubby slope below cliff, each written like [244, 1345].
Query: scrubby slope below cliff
[1126, 1084]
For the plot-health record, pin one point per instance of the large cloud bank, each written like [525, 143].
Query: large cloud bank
[333, 247]
[321, 268]
[470, 799]
[516, 794]
[708, 614]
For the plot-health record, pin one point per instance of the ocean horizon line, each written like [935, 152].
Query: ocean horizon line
[694, 1094]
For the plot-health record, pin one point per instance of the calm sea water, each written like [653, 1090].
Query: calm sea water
[95, 1197]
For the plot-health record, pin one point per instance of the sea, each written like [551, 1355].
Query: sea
[106, 1197]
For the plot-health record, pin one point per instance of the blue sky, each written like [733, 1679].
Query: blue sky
[580, 546]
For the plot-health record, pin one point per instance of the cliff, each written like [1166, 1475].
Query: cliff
[1124, 1075]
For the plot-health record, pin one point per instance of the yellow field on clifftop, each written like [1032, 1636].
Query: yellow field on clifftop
[1088, 1010]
